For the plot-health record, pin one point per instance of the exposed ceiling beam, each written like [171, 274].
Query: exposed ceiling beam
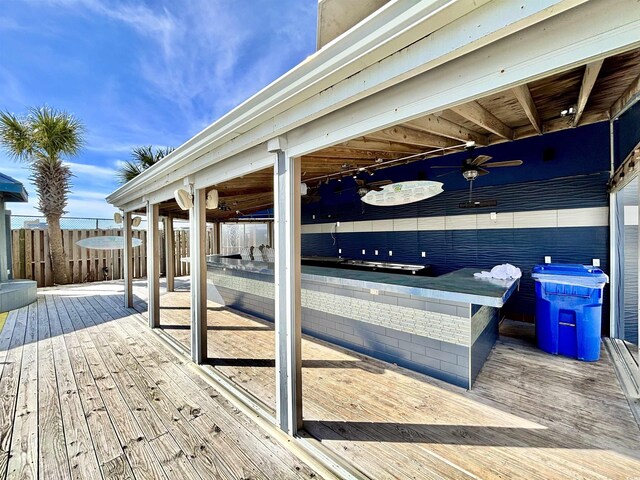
[413, 137]
[523, 95]
[588, 81]
[343, 152]
[363, 143]
[630, 94]
[476, 113]
[441, 126]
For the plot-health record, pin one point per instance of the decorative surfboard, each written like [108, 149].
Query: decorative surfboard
[107, 242]
[402, 193]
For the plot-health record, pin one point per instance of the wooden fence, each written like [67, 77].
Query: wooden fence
[32, 260]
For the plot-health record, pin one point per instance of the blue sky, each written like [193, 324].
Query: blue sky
[140, 73]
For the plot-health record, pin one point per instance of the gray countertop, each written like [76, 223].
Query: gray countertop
[458, 286]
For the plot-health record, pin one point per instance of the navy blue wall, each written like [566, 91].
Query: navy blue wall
[627, 133]
[567, 169]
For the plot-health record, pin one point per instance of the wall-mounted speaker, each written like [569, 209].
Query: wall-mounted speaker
[212, 200]
[183, 199]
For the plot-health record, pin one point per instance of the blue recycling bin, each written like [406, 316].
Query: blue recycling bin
[569, 309]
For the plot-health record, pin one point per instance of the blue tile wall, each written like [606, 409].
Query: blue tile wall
[568, 169]
[630, 323]
[454, 249]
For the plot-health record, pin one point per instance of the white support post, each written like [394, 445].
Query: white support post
[169, 253]
[127, 264]
[288, 324]
[197, 239]
[153, 265]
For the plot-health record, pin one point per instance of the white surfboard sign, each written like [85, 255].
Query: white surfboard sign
[402, 193]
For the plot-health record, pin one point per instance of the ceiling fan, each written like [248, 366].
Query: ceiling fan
[475, 166]
[363, 187]
[311, 195]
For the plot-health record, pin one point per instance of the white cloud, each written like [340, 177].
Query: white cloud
[87, 169]
[88, 194]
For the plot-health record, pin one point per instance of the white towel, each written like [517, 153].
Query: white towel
[501, 272]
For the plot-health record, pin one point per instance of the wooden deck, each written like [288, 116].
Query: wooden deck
[530, 415]
[88, 392]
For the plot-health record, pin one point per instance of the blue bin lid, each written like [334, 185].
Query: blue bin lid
[570, 273]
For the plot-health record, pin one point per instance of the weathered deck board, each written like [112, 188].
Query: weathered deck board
[85, 396]
[529, 415]
[239, 431]
[23, 455]
[52, 456]
[83, 461]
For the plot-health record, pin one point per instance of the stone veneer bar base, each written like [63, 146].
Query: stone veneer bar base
[443, 339]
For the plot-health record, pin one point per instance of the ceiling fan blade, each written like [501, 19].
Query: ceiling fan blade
[448, 173]
[379, 183]
[444, 166]
[311, 199]
[506, 163]
[480, 159]
[482, 171]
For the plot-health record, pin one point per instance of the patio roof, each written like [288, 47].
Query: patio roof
[403, 62]
[512, 114]
[12, 190]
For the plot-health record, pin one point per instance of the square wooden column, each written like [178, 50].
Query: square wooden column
[127, 264]
[4, 265]
[288, 326]
[198, 261]
[153, 265]
[169, 253]
[217, 234]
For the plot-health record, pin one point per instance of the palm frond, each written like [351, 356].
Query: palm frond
[15, 136]
[142, 157]
[56, 132]
[129, 170]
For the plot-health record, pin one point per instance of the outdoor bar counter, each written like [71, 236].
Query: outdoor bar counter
[444, 326]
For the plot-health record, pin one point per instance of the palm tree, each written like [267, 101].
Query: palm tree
[141, 159]
[42, 138]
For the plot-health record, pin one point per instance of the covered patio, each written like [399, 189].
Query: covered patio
[412, 89]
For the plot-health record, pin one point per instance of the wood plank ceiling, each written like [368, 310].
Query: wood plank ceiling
[595, 91]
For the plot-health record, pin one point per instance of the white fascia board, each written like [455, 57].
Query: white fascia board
[447, 32]
[560, 43]
[135, 204]
[163, 193]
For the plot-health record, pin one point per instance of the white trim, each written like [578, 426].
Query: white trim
[563, 218]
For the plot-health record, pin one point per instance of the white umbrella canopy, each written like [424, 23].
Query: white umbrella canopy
[108, 242]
